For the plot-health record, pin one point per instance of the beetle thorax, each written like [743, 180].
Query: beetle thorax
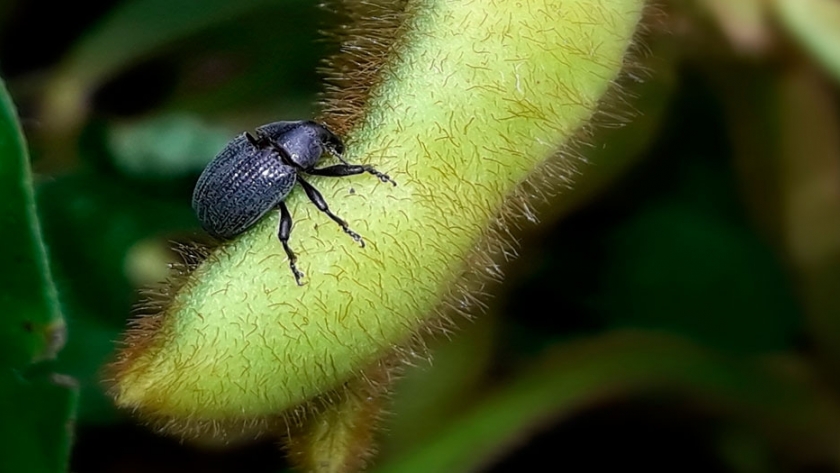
[303, 148]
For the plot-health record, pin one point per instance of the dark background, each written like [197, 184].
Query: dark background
[686, 287]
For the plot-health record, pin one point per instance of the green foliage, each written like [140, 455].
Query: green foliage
[134, 30]
[36, 407]
[690, 264]
[32, 324]
[616, 365]
[37, 427]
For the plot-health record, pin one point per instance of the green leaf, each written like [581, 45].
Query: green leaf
[815, 24]
[35, 411]
[619, 365]
[37, 428]
[31, 327]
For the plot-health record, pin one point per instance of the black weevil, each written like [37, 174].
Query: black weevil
[253, 175]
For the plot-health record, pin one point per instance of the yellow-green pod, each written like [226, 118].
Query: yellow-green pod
[470, 100]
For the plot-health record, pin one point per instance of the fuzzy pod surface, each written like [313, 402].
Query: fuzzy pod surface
[471, 99]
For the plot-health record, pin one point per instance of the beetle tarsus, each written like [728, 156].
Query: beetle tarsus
[355, 236]
[381, 175]
[298, 274]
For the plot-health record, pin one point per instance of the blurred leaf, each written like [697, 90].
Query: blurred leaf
[267, 72]
[809, 176]
[167, 146]
[91, 223]
[87, 351]
[616, 366]
[816, 25]
[31, 326]
[37, 427]
[672, 267]
[668, 248]
[684, 258]
[750, 102]
[744, 452]
[131, 32]
[787, 152]
[744, 22]
[427, 397]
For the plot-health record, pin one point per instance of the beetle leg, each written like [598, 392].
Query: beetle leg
[319, 202]
[283, 233]
[340, 170]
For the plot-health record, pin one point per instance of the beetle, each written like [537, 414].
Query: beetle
[253, 175]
